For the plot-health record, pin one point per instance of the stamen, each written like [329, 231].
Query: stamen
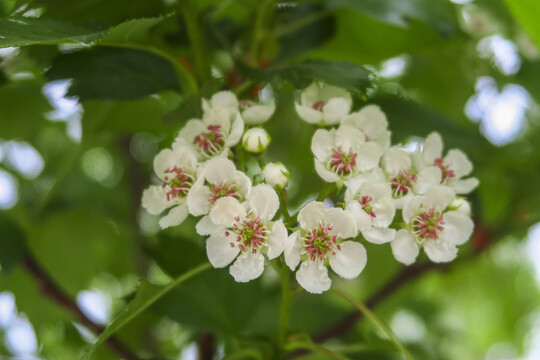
[403, 182]
[319, 105]
[428, 224]
[210, 142]
[447, 173]
[318, 242]
[222, 190]
[341, 162]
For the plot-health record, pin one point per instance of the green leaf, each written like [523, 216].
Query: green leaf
[28, 31]
[12, 243]
[345, 75]
[526, 12]
[147, 294]
[130, 31]
[114, 73]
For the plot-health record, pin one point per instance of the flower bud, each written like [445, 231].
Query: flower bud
[255, 140]
[276, 174]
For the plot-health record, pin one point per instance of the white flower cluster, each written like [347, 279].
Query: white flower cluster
[392, 196]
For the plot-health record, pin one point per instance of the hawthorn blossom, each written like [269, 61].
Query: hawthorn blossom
[219, 178]
[255, 140]
[245, 231]
[404, 180]
[372, 121]
[432, 225]
[321, 242]
[220, 128]
[323, 105]
[276, 174]
[372, 208]
[453, 167]
[342, 153]
[178, 171]
[255, 113]
[223, 99]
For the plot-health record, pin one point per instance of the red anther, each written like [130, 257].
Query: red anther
[319, 105]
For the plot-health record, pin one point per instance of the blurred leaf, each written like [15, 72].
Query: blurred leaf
[346, 75]
[439, 14]
[526, 12]
[130, 31]
[114, 73]
[27, 31]
[12, 243]
[147, 294]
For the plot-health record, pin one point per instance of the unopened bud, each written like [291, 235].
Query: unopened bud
[255, 140]
[276, 174]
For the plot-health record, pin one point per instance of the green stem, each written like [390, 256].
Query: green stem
[287, 29]
[326, 191]
[283, 201]
[285, 309]
[370, 315]
[242, 87]
[196, 38]
[258, 31]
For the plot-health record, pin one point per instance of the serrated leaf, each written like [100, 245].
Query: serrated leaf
[114, 73]
[348, 76]
[147, 294]
[28, 31]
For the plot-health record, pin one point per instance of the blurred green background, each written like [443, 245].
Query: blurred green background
[88, 96]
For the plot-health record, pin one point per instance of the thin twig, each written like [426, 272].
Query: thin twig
[53, 291]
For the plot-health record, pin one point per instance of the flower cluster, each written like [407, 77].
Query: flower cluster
[411, 200]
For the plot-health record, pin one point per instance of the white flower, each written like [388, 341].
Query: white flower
[219, 178]
[177, 169]
[276, 174]
[320, 241]
[223, 99]
[453, 167]
[343, 153]
[255, 140]
[245, 232]
[219, 129]
[254, 113]
[323, 104]
[431, 226]
[372, 208]
[372, 121]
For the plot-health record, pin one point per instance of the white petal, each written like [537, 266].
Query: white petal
[379, 235]
[308, 114]
[225, 99]
[321, 144]
[395, 160]
[293, 246]
[243, 182]
[225, 210]
[165, 159]
[324, 173]
[432, 148]
[462, 206]
[385, 210]
[218, 116]
[370, 119]
[427, 178]
[360, 217]
[350, 260]
[175, 216]
[458, 227]
[410, 207]
[458, 161]
[440, 250]
[349, 137]
[219, 249]
[328, 92]
[264, 201]
[198, 199]
[277, 239]
[237, 130]
[219, 170]
[438, 197]
[247, 266]
[310, 95]
[311, 215]
[192, 128]
[258, 114]
[401, 201]
[342, 222]
[465, 186]
[335, 110]
[404, 247]
[313, 276]
[154, 200]
[205, 226]
[369, 155]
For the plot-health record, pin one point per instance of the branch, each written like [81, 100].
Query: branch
[53, 292]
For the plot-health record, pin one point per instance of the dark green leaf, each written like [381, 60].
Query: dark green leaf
[27, 31]
[130, 31]
[345, 75]
[114, 73]
[12, 243]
